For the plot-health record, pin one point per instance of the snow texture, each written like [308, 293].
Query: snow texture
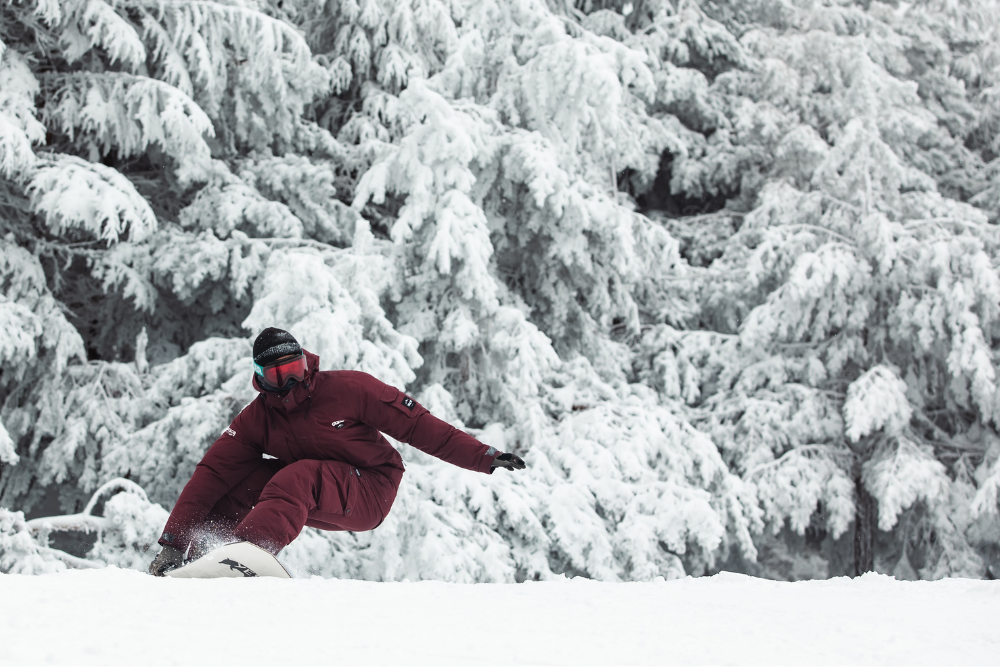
[725, 619]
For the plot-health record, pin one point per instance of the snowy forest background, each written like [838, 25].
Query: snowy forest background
[723, 272]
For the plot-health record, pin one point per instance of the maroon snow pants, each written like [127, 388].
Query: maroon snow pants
[272, 504]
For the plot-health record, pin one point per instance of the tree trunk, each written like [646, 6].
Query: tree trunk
[864, 525]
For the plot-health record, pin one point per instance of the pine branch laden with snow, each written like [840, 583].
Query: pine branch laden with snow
[7, 453]
[19, 128]
[75, 194]
[19, 553]
[876, 401]
[126, 113]
[259, 99]
[130, 524]
[513, 213]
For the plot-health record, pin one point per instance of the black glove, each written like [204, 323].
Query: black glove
[168, 559]
[508, 461]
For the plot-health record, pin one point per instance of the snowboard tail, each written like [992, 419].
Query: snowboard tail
[239, 560]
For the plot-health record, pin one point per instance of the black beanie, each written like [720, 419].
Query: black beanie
[273, 344]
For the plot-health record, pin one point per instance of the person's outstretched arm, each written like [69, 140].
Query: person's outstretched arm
[391, 411]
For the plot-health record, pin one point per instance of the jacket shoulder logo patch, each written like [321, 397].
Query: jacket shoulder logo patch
[230, 432]
[408, 402]
[338, 424]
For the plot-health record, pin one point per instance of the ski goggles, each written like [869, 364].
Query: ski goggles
[281, 371]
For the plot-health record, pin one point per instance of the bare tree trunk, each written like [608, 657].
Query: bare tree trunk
[864, 525]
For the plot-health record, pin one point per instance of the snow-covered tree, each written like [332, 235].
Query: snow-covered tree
[858, 295]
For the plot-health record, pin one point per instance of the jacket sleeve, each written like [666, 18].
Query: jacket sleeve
[391, 411]
[230, 459]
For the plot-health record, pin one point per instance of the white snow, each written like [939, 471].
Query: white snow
[115, 616]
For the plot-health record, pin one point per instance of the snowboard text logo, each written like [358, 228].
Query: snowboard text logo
[230, 432]
[239, 567]
[338, 424]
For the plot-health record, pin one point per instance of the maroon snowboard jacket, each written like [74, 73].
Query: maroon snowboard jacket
[331, 415]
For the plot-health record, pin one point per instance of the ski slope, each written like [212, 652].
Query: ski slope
[122, 617]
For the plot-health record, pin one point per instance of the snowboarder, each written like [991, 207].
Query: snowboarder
[308, 451]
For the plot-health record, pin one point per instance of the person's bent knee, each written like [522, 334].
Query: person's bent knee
[296, 480]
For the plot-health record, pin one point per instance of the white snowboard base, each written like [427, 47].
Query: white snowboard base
[239, 559]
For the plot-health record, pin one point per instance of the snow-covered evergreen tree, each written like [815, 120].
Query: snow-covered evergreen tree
[859, 290]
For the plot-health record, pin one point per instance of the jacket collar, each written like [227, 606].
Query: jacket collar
[298, 393]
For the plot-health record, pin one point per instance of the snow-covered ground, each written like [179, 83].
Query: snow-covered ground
[116, 617]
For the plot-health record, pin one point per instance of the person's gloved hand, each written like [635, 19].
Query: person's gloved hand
[508, 461]
[168, 559]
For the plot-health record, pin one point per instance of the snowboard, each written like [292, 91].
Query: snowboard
[238, 559]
